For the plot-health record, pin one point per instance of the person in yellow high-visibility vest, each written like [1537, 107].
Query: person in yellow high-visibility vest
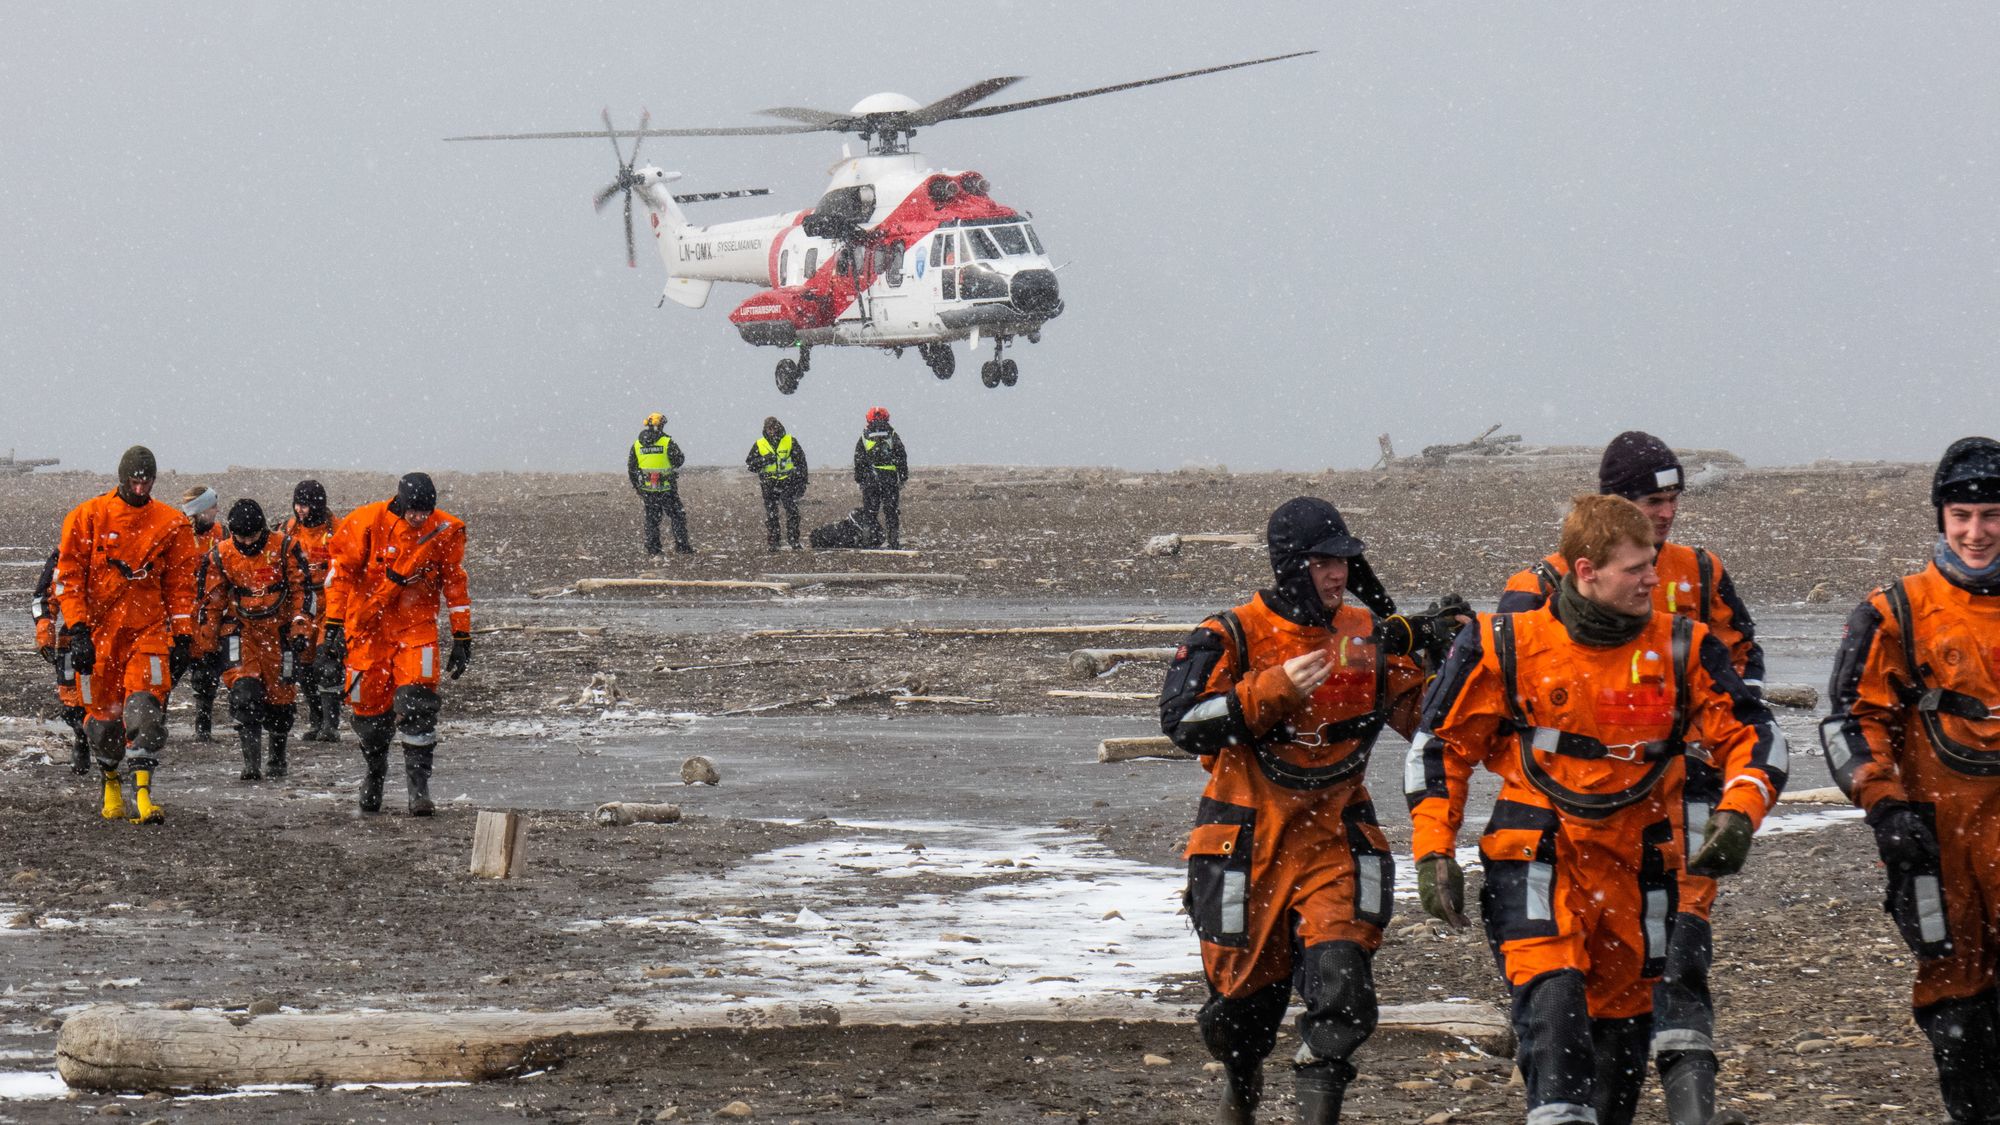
[780, 464]
[653, 466]
[881, 465]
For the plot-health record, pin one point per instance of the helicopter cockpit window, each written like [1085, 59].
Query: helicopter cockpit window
[1033, 241]
[894, 270]
[937, 251]
[1011, 240]
[950, 241]
[785, 268]
[981, 244]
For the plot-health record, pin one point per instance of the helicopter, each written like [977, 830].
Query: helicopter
[894, 255]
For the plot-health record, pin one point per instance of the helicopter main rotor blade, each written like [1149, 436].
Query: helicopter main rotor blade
[645, 119]
[631, 255]
[1010, 107]
[706, 196]
[615, 150]
[604, 197]
[724, 131]
[954, 105]
[818, 118]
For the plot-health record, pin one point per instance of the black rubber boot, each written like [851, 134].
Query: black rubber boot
[417, 769]
[1241, 1093]
[79, 755]
[204, 723]
[1687, 1079]
[329, 714]
[278, 765]
[1965, 1041]
[253, 753]
[377, 762]
[312, 709]
[1321, 1088]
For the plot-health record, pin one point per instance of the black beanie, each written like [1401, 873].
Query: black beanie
[1636, 464]
[246, 518]
[138, 462]
[414, 493]
[310, 493]
[1968, 473]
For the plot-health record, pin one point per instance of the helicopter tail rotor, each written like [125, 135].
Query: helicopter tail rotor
[626, 180]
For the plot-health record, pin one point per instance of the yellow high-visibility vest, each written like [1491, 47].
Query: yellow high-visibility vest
[868, 446]
[656, 469]
[781, 466]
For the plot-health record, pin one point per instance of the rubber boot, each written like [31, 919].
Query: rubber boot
[279, 764]
[1321, 1087]
[420, 787]
[204, 724]
[144, 811]
[79, 756]
[114, 796]
[253, 753]
[329, 713]
[371, 784]
[1688, 1081]
[1241, 1093]
[312, 711]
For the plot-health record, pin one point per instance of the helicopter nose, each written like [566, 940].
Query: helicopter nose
[1034, 292]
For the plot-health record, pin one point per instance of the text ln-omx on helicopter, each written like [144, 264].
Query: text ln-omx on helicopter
[894, 255]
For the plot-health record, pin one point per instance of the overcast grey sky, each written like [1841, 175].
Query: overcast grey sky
[232, 230]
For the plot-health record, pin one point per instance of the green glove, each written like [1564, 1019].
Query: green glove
[1441, 888]
[1724, 846]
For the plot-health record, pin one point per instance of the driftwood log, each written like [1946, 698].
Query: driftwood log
[1128, 749]
[1090, 663]
[1825, 795]
[499, 844]
[1062, 693]
[546, 630]
[1803, 696]
[616, 814]
[591, 585]
[118, 1047]
[972, 631]
[862, 578]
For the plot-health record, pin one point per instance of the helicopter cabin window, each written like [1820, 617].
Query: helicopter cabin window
[784, 267]
[1011, 240]
[948, 284]
[1032, 240]
[843, 262]
[894, 269]
[937, 251]
[950, 241]
[982, 244]
[812, 262]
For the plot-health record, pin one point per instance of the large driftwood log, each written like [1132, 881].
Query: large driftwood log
[971, 631]
[619, 813]
[590, 585]
[863, 578]
[1127, 749]
[1090, 663]
[117, 1047]
[1130, 696]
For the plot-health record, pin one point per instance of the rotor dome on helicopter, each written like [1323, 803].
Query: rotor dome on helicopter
[885, 103]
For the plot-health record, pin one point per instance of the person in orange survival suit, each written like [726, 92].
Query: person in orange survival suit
[1693, 583]
[253, 606]
[125, 585]
[393, 561]
[311, 526]
[1289, 876]
[1914, 740]
[202, 506]
[53, 643]
[1585, 709]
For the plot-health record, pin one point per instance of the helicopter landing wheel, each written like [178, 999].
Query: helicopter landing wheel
[943, 362]
[1010, 372]
[788, 376]
[989, 373]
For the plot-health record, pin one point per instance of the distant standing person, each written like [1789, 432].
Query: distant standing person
[654, 466]
[52, 641]
[310, 526]
[780, 464]
[202, 506]
[881, 465]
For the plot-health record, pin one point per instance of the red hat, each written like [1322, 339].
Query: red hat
[878, 414]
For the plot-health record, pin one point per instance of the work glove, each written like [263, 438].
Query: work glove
[50, 654]
[180, 656]
[1724, 846]
[333, 646]
[82, 650]
[1428, 634]
[1441, 888]
[1902, 839]
[461, 655]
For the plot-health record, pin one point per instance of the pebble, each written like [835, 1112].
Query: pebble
[1416, 1084]
[667, 972]
[671, 1113]
[1110, 914]
[113, 1109]
[699, 770]
[180, 1005]
[952, 935]
[1469, 1082]
[1443, 1117]
[735, 1109]
[1812, 1045]
[1156, 1060]
[1213, 1067]
[265, 1007]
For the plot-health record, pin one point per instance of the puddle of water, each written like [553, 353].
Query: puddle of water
[1039, 915]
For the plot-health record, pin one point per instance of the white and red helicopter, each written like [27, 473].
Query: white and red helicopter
[894, 255]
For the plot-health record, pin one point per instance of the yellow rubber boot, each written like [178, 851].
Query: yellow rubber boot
[144, 811]
[114, 796]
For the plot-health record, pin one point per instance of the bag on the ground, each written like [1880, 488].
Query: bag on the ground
[857, 529]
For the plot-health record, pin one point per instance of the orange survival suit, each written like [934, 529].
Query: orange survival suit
[321, 682]
[205, 673]
[1587, 838]
[255, 597]
[387, 581]
[1290, 879]
[125, 584]
[1913, 739]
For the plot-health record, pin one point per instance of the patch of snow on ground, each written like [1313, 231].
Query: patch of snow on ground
[31, 1085]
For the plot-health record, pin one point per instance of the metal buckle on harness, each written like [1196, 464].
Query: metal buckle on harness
[1633, 751]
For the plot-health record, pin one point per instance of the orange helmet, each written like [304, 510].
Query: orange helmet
[877, 414]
